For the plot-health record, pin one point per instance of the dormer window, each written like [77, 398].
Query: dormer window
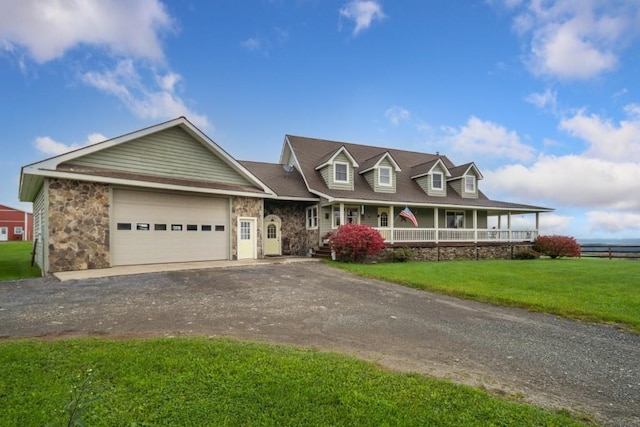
[384, 176]
[437, 180]
[470, 184]
[340, 172]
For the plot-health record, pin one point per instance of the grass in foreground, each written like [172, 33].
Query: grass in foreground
[15, 261]
[198, 381]
[594, 290]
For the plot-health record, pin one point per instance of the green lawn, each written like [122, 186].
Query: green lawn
[199, 381]
[15, 261]
[596, 290]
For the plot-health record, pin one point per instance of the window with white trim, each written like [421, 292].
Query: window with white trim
[312, 217]
[437, 181]
[470, 184]
[384, 176]
[336, 216]
[245, 230]
[17, 230]
[341, 172]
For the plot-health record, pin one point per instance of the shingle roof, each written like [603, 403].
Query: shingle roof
[284, 184]
[310, 152]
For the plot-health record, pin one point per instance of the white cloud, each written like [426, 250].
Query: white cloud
[548, 99]
[576, 39]
[485, 138]
[49, 146]
[397, 114]
[363, 13]
[614, 222]
[48, 29]
[573, 180]
[145, 102]
[607, 140]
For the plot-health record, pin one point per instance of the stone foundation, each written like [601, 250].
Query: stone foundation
[296, 239]
[452, 253]
[246, 207]
[78, 225]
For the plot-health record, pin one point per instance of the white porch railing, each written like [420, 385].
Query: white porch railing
[416, 235]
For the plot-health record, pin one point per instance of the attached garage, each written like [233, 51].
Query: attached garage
[154, 227]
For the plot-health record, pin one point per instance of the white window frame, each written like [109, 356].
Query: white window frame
[470, 184]
[335, 172]
[335, 216]
[18, 230]
[312, 217]
[380, 182]
[457, 213]
[433, 182]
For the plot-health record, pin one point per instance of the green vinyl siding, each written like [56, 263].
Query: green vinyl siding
[370, 177]
[171, 153]
[385, 188]
[457, 184]
[341, 158]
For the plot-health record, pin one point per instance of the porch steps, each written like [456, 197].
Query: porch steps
[323, 252]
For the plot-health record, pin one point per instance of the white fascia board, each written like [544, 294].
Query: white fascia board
[395, 165]
[447, 174]
[432, 205]
[196, 133]
[53, 162]
[297, 163]
[344, 150]
[147, 184]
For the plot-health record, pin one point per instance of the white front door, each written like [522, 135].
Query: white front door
[272, 225]
[247, 238]
[4, 234]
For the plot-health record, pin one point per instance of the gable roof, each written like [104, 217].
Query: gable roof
[74, 165]
[307, 153]
[427, 167]
[462, 170]
[375, 161]
[330, 157]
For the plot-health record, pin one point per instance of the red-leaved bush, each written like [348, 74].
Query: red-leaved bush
[557, 246]
[355, 242]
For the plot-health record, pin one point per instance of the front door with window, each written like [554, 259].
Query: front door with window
[272, 225]
[4, 234]
[246, 238]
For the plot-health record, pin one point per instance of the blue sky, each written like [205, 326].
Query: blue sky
[544, 96]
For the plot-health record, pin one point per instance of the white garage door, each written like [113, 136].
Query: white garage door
[152, 228]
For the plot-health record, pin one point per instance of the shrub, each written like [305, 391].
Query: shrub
[355, 242]
[526, 253]
[403, 254]
[557, 246]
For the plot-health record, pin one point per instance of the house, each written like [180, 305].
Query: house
[168, 193]
[15, 224]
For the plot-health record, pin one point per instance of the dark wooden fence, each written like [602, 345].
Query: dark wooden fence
[610, 250]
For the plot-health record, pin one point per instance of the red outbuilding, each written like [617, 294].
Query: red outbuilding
[15, 224]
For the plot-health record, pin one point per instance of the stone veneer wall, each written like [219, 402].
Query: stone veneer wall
[246, 207]
[293, 216]
[78, 225]
[451, 253]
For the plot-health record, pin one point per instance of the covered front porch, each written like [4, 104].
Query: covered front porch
[438, 224]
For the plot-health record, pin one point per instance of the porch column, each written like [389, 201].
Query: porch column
[509, 224]
[436, 221]
[537, 225]
[475, 226]
[499, 222]
[341, 213]
[392, 217]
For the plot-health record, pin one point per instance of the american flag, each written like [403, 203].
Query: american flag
[406, 213]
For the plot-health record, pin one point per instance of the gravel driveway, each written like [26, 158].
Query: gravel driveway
[547, 360]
